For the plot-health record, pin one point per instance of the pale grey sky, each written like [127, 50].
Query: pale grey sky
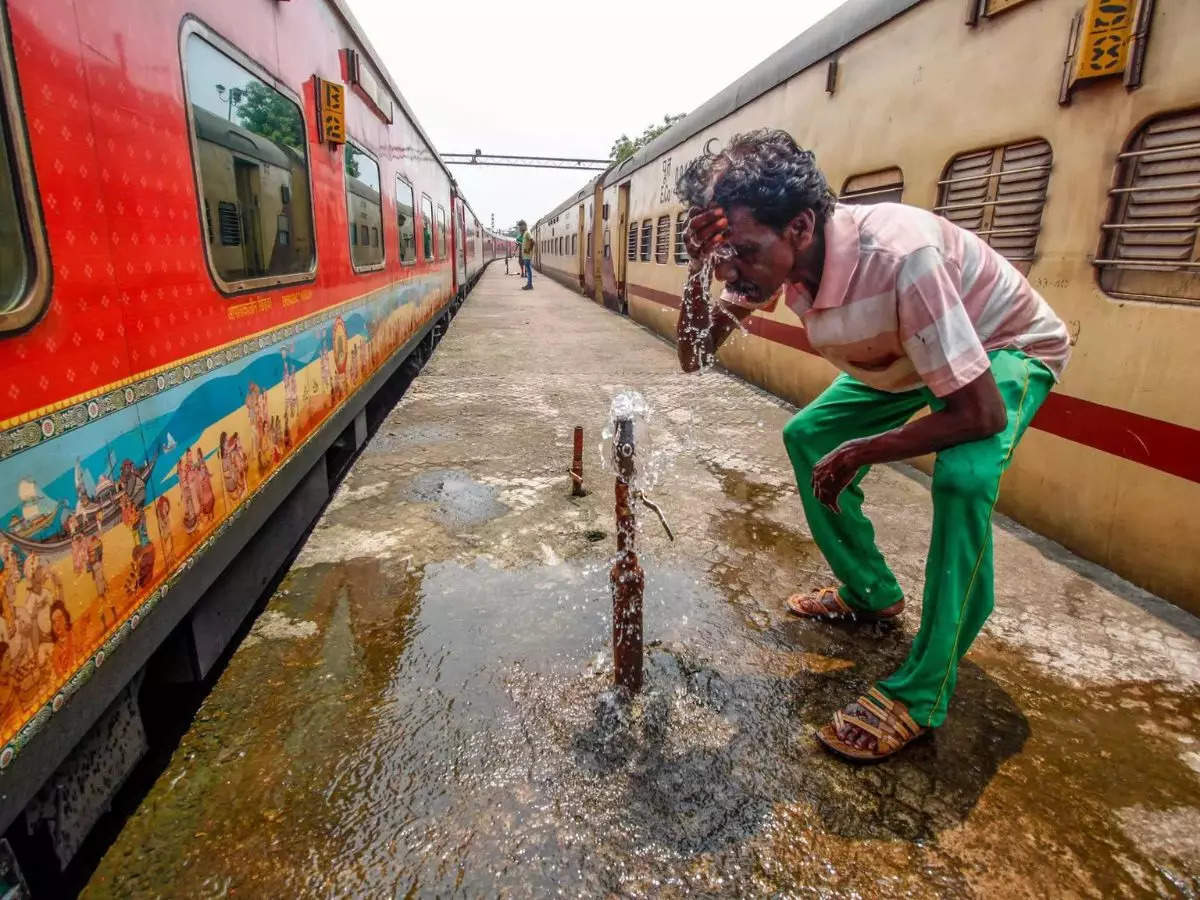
[563, 79]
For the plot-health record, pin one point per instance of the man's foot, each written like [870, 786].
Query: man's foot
[870, 729]
[827, 603]
[527, 287]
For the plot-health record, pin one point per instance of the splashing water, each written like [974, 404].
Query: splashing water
[654, 454]
[700, 288]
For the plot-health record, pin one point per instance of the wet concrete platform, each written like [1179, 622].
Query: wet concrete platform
[422, 707]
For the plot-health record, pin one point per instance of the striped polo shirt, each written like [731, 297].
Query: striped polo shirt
[908, 298]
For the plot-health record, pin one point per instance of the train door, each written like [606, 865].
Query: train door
[581, 244]
[619, 246]
[246, 180]
[462, 241]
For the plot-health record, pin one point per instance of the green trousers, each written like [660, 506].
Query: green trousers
[966, 481]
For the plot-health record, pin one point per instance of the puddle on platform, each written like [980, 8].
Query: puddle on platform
[450, 730]
[458, 499]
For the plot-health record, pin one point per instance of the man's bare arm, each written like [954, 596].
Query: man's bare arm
[973, 412]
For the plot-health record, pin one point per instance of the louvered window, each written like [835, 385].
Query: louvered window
[662, 240]
[631, 250]
[231, 224]
[999, 194]
[1149, 246]
[681, 254]
[647, 228]
[886, 186]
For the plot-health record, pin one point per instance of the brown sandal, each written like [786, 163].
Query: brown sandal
[828, 604]
[893, 728]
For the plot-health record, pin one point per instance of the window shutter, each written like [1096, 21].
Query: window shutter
[662, 239]
[886, 186]
[1149, 246]
[631, 250]
[999, 194]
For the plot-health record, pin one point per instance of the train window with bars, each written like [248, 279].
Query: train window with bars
[662, 240]
[999, 194]
[644, 244]
[24, 261]
[251, 157]
[443, 244]
[363, 206]
[1149, 245]
[426, 228]
[607, 243]
[406, 221]
[588, 249]
[681, 254]
[884, 186]
[631, 243]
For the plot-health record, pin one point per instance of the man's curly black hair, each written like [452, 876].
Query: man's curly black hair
[764, 170]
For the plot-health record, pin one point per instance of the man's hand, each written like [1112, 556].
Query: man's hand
[705, 229]
[835, 470]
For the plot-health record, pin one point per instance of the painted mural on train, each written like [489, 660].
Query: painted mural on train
[96, 515]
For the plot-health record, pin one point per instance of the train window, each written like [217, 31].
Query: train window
[1149, 245]
[443, 246]
[588, 248]
[24, 262]
[884, 186]
[607, 243]
[999, 194]
[364, 207]
[681, 254]
[251, 157]
[644, 249]
[631, 248]
[406, 221]
[662, 240]
[426, 227]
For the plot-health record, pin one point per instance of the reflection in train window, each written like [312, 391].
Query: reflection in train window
[363, 207]
[406, 221]
[427, 226]
[251, 152]
[443, 246]
[1151, 244]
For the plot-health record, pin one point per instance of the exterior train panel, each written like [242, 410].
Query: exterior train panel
[1111, 467]
[196, 285]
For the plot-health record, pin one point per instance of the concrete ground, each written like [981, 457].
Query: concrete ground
[422, 709]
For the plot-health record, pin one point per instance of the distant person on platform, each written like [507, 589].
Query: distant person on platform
[525, 242]
[917, 313]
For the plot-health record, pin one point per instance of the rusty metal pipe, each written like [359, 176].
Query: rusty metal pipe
[626, 578]
[577, 465]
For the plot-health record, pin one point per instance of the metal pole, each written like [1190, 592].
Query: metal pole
[577, 465]
[626, 578]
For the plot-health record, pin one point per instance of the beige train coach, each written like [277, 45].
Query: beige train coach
[1067, 134]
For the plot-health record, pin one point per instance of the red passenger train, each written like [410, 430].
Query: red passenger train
[222, 230]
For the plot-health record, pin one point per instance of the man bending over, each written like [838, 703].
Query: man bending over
[917, 313]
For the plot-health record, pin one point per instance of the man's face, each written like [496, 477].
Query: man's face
[762, 257]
